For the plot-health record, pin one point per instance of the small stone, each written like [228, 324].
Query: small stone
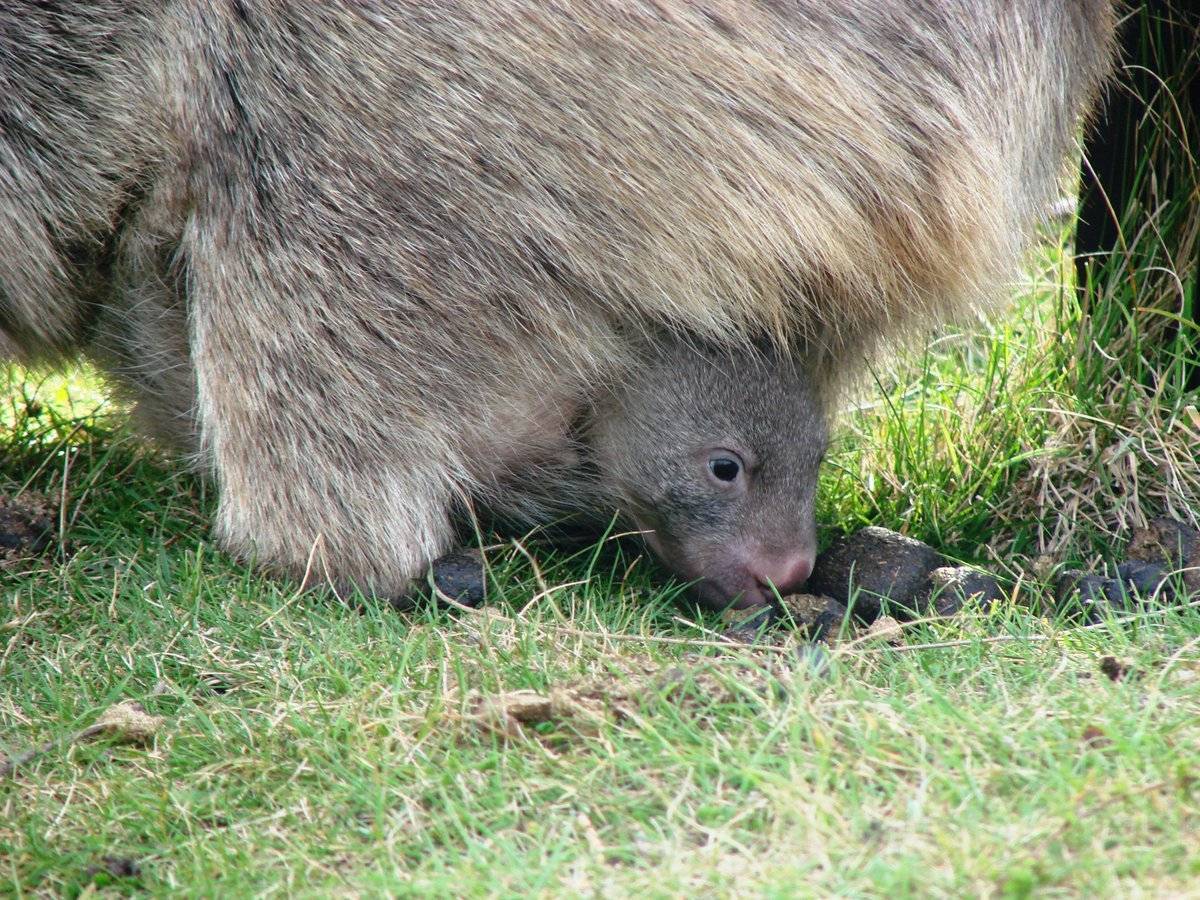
[818, 618]
[460, 575]
[951, 587]
[885, 629]
[874, 563]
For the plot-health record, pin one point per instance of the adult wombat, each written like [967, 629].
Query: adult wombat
[377, 263]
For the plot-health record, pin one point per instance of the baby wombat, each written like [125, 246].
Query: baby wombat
[376, 264]
[714, 456]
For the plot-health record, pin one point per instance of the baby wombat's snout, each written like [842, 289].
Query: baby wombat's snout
[714, 455]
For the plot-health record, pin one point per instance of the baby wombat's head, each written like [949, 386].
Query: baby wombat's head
[714, 455]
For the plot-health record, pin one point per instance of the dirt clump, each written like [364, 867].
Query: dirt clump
[459, 576]
[872, 565]
[26, 529]
[952, 587]
[1169, 543]
[1115, 670]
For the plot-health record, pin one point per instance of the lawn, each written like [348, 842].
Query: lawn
[303, 743]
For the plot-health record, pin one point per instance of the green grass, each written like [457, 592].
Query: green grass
[312, 745]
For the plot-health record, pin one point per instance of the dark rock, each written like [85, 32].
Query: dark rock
[818, 618]
[1175, 545]
[1093, 597]
[460, 575]
[951, 587]
[1146, 579]
[874, 563]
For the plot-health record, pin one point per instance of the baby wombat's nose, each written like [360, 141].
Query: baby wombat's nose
[786, 573]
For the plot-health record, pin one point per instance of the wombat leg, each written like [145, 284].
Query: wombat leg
[377, 535]
[347, 492]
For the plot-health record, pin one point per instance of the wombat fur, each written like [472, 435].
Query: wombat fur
[373, 264]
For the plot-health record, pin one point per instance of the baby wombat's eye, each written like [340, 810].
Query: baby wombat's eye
[725, 467]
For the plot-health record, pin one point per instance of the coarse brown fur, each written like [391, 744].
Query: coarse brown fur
[370, 262]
